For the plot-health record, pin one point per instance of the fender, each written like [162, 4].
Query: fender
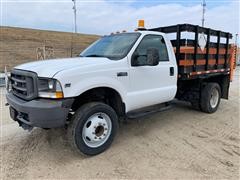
[96, 82]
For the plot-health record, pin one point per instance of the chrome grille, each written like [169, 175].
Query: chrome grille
[24, 84]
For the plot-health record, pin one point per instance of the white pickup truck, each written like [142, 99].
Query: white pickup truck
[118, 75]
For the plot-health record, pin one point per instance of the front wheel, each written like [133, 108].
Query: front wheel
[210, 98]
[93, 128]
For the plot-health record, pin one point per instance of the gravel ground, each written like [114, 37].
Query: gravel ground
[180, 143]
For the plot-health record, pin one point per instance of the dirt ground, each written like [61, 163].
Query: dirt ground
[180, 143]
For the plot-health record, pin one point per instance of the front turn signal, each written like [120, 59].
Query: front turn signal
[59, 94]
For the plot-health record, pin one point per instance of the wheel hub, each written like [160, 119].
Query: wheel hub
[97, 129]
[214, 98]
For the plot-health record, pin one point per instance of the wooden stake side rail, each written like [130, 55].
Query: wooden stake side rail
[190, 50]
[191, 59]
[187, 52]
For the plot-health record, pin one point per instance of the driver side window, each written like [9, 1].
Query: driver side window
[150, 41]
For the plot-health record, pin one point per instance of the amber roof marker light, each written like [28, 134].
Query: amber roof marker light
[141, 25]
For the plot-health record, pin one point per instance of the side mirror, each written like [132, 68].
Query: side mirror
[152, 57]
[134, 59]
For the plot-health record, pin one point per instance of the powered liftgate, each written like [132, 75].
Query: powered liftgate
[202, 52]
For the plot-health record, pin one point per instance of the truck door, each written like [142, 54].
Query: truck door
[151, 84]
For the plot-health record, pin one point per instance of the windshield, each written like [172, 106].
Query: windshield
[114, 47]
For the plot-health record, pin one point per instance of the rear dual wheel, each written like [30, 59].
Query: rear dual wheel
[210, 97]
[93, 128]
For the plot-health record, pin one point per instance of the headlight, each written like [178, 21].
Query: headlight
[49, 88]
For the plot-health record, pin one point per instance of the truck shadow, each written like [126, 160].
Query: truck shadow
[143, 125]
[55, 142]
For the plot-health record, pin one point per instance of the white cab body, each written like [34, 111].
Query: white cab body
[143, 86]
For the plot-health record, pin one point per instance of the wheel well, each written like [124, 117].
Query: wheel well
[190, 90]
[101, 94]
[223, 81]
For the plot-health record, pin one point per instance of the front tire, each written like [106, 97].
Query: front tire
[210, 97]
[93, 128]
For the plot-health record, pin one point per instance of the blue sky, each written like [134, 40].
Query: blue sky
[144, 3]
[106, 16]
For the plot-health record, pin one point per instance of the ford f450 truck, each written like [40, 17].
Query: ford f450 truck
[118, 75]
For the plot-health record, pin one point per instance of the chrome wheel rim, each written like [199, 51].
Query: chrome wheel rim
[97, 130]
[214, 98]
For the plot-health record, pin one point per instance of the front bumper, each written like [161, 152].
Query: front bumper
[43, 113]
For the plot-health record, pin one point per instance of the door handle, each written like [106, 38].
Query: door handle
[122, 74]
[171, 71]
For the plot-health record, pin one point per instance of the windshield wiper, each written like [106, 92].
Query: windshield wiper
[94, 55]
[97, 55]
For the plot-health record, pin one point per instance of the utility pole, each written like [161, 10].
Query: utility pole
[236, 43]
[203, 12]
[75, 14]
[75, 24]
[236, 39]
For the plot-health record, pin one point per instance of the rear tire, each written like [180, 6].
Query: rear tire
[210, 97]
[93, 128]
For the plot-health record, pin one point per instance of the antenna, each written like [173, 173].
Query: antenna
[75, 14]
[203, 12]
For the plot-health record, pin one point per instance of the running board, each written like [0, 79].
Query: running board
[148, 110]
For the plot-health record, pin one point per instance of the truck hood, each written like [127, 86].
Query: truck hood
[48, 68]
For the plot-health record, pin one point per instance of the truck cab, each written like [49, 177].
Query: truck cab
[116, 75]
